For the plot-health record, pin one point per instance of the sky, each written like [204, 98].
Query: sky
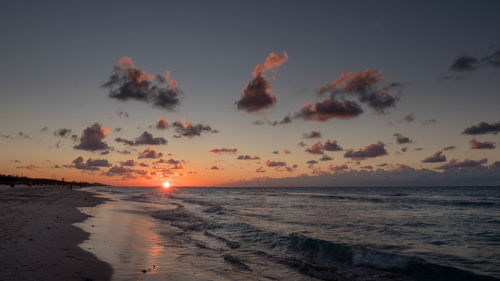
[251, 93]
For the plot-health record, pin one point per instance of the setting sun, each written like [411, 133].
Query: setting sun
[166, 184]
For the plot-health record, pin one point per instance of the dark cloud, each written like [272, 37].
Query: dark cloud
[144, 139]
[129, 163]
[338, 169]
[312, 135]
[451, 147]
[496, 164]
[493, 59]
[275, 152]
[319, 148]
[150, 153]
[329, 108]
[162, 124]
[330, 145]
[404, 149]
[435, 158]
[92, 138]
[247, 157]
[260, 170]
[311, 163]
[370, 151]
[285, 120]
[44, 129]
[409, 117]
[429, 122]
[367, 167]
[5, 136]
[106, 152]
[474, 144]
[257, 94]
[400, 139]
[24, 135]
[190, 130]
[122, 114]
[467, 163]
[464, 63]
[129, 83]
[365, 86]
[270, 163]
[223, 150]
[62, 132]
[325, 158]
[215, 168]
[483, 128]
[89, 165]
[126, 172]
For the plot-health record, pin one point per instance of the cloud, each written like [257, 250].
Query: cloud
[429, 122]
[365, 86]
[330, 145]
[122, 114]
[44, 129]
[467, 163]
[400, 139]
[311, 163]
[275, 152]
[450, 147]
[373, 150]
[319, 148]
[89, 165]
[301, 144]
[260, 170]
[464, 63]
[286, 120]
[162, 124]
[247, 157]
[409, 117]
[92, 138]
[257, 94]
[483, 128]
[223, 150]
[474, 144]
[129, 83]
[62, 132]
[215, 168]
[329, 108]
[150, 153]
[493, 59]
[312, 135]
[28, 167]
[316, 148]
[435, 158]
[286, 151]
[325, 158]
[144, 139]
[270, 163]
[338, 169]
[190, 130]
[496, 164]
[126, 172]
[129, 163]
[401, 176]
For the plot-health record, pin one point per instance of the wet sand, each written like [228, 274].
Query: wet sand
[38, 240]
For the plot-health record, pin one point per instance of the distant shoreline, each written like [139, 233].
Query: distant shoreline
[38, 240]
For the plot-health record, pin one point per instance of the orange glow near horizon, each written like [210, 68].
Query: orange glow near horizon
[166, 185]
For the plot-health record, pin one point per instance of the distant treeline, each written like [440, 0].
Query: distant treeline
[15, 180]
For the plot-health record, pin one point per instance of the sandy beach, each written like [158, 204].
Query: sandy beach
[38, 240]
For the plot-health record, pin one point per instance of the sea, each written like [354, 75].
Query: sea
[337, 233]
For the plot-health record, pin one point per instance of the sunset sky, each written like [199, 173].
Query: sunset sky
[138, 93]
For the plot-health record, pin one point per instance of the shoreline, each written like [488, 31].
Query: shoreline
[38, 238]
